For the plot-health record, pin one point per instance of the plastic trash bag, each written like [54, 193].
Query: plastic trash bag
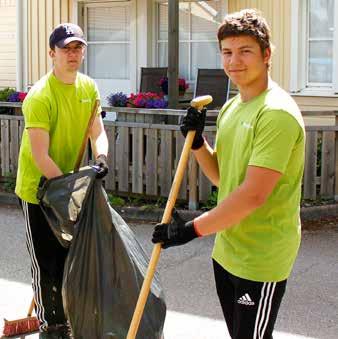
[61, 200]
[105, 266]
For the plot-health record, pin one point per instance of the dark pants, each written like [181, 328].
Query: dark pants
[47, 259]
[250, 308]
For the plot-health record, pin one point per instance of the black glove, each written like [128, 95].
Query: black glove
[101, 166]
[41, 187]
[42, 181]
[177, 233]
[194, 120]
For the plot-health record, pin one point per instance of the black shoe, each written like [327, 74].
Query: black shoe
[56, 332]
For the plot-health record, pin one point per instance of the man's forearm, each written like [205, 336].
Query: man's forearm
[100, 144]
[237, 206]
[98, 138]
[254, 191]
[48, 167]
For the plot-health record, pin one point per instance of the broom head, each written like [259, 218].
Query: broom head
[20, 326]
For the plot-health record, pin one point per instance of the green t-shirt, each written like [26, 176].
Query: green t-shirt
[62, 110]
[267, 131]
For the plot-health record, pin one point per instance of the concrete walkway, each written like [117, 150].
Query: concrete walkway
[309, 309]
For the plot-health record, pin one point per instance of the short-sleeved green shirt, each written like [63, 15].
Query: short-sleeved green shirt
[267, 131]
[64, 111]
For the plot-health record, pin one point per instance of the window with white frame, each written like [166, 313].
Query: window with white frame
[314, 46]
[198, 45]
[320, 42]
[108, 34]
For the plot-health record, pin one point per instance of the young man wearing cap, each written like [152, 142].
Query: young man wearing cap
[56, 111]
[257, 164]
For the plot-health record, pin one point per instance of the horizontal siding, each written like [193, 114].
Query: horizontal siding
[8, 56]
[7, 44]
[316, 103]
[7, 69]
[43, 16]
[7, 3]
[7, 83]
[277, 13]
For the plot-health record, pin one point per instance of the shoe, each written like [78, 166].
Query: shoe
[56, 332]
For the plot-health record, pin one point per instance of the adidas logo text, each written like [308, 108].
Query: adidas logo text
[245, 300]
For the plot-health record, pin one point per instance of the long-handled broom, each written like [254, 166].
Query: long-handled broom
[198, 102]
[31, 324]
[21, 326]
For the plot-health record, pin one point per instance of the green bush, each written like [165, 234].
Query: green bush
[9, 182]
[212, 200]
[116, 201]
[5, 93]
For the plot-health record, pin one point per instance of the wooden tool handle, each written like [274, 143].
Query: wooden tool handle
[198, 102]
[201, 101]
[85, 139]
[31, 308]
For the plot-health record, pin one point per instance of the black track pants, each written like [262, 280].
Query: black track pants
[250, 308]
[47, 259]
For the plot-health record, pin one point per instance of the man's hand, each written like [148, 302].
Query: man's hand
[194, 120]
[177, 233]
[101, 166]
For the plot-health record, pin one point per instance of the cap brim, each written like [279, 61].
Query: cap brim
[64, 42]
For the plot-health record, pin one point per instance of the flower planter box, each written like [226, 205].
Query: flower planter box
[10, 108]
[142, 115]
[139, 117]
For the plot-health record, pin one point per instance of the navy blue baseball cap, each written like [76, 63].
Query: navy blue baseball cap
[65, 33]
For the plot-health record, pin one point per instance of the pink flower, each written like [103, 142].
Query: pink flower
[182, 85]
[148, 100]
[22, 96]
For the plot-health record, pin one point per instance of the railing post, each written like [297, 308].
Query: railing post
[310, 170]
[336, 160]
[173, 52]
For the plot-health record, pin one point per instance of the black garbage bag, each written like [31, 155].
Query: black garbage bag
[61, 200]
[105, 266]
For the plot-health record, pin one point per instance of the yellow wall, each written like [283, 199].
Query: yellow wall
[7, 45]
[277, 14]
[43, 16]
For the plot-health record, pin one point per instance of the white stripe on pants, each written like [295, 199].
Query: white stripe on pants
[36, 277]
[264, 308]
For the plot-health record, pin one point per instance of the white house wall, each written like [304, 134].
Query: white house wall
[7, 43]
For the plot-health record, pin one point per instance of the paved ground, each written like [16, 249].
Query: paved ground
[309, 310]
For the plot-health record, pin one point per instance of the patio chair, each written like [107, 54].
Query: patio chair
[215, 82]
[150, 78]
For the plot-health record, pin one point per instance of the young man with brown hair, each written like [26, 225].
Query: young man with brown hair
[257, 164]
[56, 111]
